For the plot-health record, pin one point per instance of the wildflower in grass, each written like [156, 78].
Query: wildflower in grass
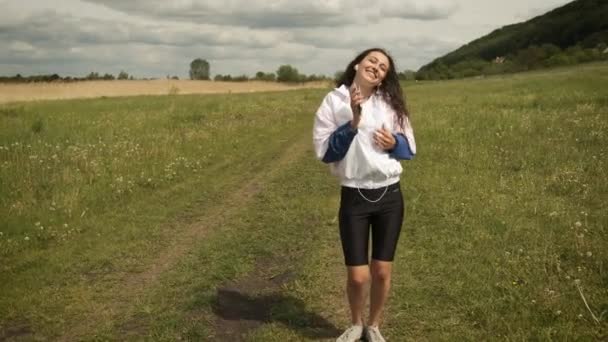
[27, 238]
[578, 224]
[558, 312]
[519, 282]
[65, 225]
[37, 224]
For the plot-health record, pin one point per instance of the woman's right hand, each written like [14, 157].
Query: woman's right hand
[355, 104]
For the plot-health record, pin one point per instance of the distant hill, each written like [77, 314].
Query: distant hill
[574, 33]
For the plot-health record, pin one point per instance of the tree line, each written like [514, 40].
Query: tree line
[531, 58]
[92, 76]
[199, 70]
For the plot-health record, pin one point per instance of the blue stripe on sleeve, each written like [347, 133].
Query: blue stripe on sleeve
[402, 148]
[339, 142]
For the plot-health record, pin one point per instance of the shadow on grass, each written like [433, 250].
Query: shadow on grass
[240, 313]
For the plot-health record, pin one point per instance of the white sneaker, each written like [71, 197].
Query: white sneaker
[372, 334]
[351, 334]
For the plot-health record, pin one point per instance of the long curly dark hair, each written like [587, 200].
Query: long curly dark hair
[390, 88]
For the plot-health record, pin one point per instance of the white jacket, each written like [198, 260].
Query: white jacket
[364, 165]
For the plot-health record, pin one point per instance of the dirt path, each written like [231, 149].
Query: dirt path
[133, 286]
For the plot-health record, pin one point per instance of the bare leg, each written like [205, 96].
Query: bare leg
[356, 289]
[381, 284]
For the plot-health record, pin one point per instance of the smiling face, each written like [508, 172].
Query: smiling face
[372, 69]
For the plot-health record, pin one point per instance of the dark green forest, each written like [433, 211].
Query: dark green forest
[574, 33]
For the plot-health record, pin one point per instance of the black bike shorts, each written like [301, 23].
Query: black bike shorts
[358, 214]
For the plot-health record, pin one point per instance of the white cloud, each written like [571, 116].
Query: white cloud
[19, 46]
[282, 13]
[53, 28]
[154, 38]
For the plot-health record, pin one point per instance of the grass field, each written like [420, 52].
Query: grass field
[206, 217]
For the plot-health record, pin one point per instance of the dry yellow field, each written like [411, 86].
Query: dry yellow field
[89, 89]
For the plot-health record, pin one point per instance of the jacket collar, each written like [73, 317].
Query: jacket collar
[344, 91]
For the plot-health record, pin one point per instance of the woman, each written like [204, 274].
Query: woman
[362, 129]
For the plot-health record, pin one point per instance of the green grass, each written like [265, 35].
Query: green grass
[507, 209]
[118, 179]
[506, 214]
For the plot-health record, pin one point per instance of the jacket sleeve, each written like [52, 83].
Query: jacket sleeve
[331, 141]
[402, 148]
[339, 142]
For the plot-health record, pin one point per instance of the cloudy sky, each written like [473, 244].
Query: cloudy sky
[155, 38]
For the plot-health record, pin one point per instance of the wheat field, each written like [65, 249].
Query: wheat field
[91, 89]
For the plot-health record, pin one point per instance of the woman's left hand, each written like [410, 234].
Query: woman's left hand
[384, 139]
